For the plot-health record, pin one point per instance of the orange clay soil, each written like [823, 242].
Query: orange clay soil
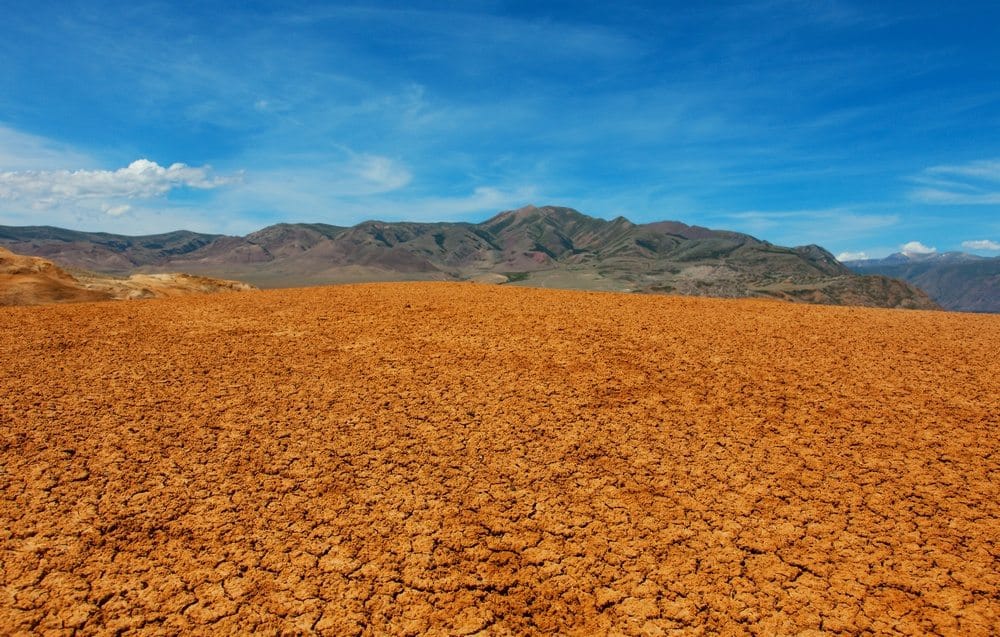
[454, 458]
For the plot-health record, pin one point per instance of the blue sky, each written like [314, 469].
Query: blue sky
[858, 126]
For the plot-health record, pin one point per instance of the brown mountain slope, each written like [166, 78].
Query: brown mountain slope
[31, 281]
[537, 246]
[459, 459]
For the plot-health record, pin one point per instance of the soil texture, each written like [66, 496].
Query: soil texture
[456, 459]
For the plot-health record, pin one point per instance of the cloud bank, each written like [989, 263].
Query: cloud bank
[142, 179]
[852, 256]
[982, 244]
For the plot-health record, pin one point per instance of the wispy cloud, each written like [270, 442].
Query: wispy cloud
[371, 188]
[810, 226]
[384, 109]
[945, 197]
[476, 35]
[380, 174]
[482, 201]
[21, 151]
[988, 170]
[317, 184]
[334, 184]
[973, 183]
[984, 245]
[950, 197]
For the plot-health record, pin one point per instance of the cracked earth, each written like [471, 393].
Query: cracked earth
[460, 459]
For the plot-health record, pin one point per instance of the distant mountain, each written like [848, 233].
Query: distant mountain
[544, 246]
[912, 258]
[955, 280]
[28, 280]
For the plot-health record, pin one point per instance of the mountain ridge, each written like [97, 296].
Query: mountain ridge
[549, 246]
[955, 280]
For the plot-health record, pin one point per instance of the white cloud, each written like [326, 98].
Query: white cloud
[982, 244]
[36, 189]
[915, 247]
[975, 183]
[142, 179]
[852, 256]
[116, 211]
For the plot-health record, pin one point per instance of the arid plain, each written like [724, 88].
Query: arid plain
[433, 458]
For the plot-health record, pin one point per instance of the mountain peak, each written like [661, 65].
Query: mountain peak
[530, 211]
[518, 213]
[906, 257]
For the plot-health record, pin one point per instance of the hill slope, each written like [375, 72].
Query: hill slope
[547, 246]
[955, 280]
[28, 280]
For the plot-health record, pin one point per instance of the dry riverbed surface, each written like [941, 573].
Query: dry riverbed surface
[456, 459]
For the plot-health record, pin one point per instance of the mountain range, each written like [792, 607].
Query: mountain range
[955, 280]
[546, 246]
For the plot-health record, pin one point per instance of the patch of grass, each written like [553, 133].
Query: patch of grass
[514, 277]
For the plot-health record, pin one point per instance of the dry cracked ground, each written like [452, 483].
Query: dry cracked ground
[456, 459]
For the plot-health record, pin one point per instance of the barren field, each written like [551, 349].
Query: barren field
[459, 459]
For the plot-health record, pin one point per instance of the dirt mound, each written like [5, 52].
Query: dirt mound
[460, 458]
[148, 286]
[33, 281]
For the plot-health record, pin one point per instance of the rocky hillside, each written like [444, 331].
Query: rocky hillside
[543, 246]
[26, 280]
